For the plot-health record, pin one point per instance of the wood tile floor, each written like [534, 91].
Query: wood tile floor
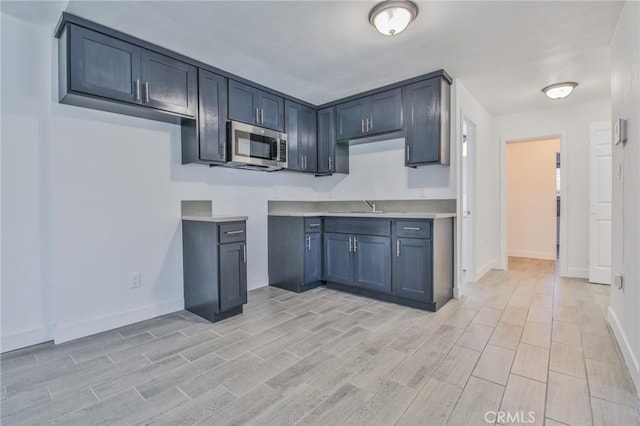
[519, 341]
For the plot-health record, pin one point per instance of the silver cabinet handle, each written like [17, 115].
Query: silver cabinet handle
[305, 161]
[330, 163]
[244, 253]
[398, 248]
[258, 115]
[313, 225]
[309, 242]
[138, 90]
[362, 126]
[261, 116]
[234, 232]
[350, 244]
[408, 153]
[355, 244]
[367, 126]
[370, 124]
[146, 91]
[409, 228]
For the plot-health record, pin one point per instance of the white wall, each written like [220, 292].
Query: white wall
[571, 123]
[486, 177]
[91, 197]
[531, 199]
[624, 309]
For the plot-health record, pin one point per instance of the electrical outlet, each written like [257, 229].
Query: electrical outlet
[618, 281]
[135, 280]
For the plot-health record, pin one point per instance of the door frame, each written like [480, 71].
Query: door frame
[564, 206]
[470, 227]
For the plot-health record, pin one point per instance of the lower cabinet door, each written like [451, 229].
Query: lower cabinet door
[338, 264]
[312, 258]
[413, 275]
[372, 269]
[233, 275]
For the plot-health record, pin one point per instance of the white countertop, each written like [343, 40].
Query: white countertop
[218, 219]
[383, 215]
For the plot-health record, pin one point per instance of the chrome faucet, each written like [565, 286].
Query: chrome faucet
[371, 204]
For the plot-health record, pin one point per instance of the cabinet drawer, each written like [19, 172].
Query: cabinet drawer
[312, 224]
[413, 228]
[344, 225]
[232, 232]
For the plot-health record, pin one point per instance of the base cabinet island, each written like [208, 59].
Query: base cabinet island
[405, 258]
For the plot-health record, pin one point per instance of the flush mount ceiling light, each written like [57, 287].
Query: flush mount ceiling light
[560, 90]
[391, 17]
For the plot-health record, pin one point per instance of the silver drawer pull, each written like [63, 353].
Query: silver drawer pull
[234, 232]
[313, 225]
[409, 228]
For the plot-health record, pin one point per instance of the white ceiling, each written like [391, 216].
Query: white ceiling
[319, 51]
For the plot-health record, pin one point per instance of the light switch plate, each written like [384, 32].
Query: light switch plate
[620, 131]
[618, 281]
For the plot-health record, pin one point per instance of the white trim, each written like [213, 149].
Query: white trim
[25, 338]
[564, 189]
[480, 273]
[630, 358]
[65, 332]
[456, 293]
[532, 254]
[577, 273]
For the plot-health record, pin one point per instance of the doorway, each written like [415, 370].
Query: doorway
[533, 198]
[468, 179]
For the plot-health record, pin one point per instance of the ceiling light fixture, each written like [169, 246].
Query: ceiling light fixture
[559, 90]
[391, 17]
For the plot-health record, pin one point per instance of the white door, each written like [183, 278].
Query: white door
[468, 199]
[600, 187]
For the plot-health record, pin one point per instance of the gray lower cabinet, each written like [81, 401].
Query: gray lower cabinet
[412, 266]
[204, 140]
[215, 268]
[295, 252]
[103, 72]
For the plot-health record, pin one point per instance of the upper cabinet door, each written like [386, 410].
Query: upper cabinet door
[104, 66]
[168, 84]
[326, 140]
[212, 115]
[385, 112]
[426, 108]
[308, 138]
[350, 117]
[271, 111]
[292, 126]
[243, 103]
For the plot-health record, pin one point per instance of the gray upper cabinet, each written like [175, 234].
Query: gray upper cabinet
[426, 108]
[372, 115]
[109, 69]
[254, 106]
[103, 66]
[300, 127]
[332, 158]
[169, 84]
[204, 139]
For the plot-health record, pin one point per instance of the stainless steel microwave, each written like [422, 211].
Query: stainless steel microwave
[256, 148]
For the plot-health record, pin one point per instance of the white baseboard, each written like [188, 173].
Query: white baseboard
[577, 273]
[65, 332]
[533, 254]
[257, 284]
[25, 338]
[480, 273]
[630, 358]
